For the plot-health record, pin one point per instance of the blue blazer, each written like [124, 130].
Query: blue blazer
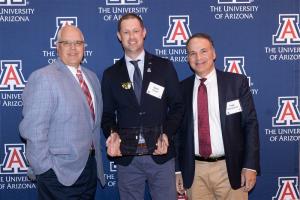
[239, 130]
[57, 124]
[121, 108]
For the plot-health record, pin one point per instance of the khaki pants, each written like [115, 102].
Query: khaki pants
[211, 183]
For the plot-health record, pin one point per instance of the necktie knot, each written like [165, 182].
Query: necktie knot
[79, 74]
[202, 81]
[135, 63]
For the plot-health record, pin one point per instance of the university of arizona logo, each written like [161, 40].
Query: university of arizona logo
[60, 22]
[288, 32]
[11, 77]
[179, 31]
[234, 1]
[288, 112]
[123, 2]
[287, 189]
[14, 161]
[235, 65]
[12, 2]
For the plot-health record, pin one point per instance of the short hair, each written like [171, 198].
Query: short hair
[61, 29]
[200, 35]
[129, 16]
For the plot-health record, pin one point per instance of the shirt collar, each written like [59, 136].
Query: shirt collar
[141, 57]
[209, 76]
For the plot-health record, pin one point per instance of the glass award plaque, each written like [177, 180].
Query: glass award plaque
[139, 140]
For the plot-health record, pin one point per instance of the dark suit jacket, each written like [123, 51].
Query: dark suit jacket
[122, 110]
[239, 130]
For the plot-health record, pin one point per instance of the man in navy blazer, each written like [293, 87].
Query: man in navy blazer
[229, 172]
[160, 104]
[62, 131]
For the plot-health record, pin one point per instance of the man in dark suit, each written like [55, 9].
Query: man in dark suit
[158, 103]
[218, 142]
[61, 123]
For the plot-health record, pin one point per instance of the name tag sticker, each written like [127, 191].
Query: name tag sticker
[155, 90]
[233, 107]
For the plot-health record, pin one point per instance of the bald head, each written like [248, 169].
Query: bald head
[70, 45]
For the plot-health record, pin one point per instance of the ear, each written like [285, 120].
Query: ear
[144, 32]
[119, 36]
[214, 54]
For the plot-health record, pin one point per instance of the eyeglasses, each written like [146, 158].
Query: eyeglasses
[69, 44]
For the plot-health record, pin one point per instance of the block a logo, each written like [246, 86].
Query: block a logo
[123, 2]
[287, 189]
[112, 167]
[236, 65]
[288, 112]
[12, 2]
[179, 31]
[288, 32]
[11, 77]
[14, 161]
[60, 22]
[234, 1]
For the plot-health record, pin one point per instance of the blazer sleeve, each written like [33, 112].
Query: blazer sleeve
[250, 128]
[175, 102]
[38, 104]
[108, 123]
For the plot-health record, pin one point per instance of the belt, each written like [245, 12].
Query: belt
[209, 159]
[92, 152]
[142, 145]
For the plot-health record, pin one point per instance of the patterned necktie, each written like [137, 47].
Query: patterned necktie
[86, 91]
[137, 79]
[203, 121]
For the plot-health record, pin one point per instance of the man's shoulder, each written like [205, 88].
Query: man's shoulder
[152, 57]
[230, 75]
[188, 80]
[46, 70]
[113, 68]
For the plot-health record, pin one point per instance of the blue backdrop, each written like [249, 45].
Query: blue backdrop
[260, 39]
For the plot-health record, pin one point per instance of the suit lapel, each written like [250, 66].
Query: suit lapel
[94, 88]
[69, 76]
[146, 74]
[222, 98]
[189, 96]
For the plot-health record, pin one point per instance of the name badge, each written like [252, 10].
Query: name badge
[155, 90]
[233, 107]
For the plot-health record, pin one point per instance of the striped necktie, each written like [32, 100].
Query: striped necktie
[86, 92]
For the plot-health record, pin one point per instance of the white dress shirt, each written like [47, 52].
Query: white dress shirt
[214, 115]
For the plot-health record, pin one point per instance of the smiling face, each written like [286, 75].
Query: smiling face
[201, 56]
[132, 35]
[70, 46]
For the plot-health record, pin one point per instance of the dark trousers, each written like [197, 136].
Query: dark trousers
[49, 188]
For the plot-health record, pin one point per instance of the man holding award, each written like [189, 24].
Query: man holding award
[142, 108]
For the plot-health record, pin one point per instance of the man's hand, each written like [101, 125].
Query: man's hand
[113, 145]
[162, 145]
[248, 179]
[179, 184]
